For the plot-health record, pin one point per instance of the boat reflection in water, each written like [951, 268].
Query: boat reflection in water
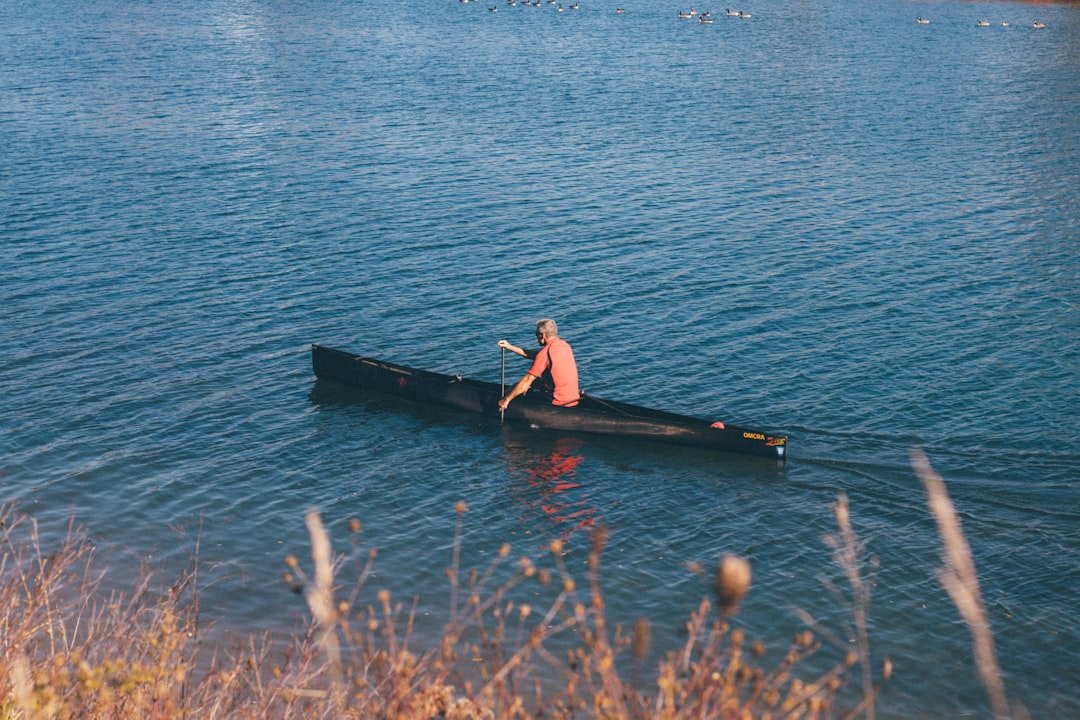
[541, 467]
[546, 485]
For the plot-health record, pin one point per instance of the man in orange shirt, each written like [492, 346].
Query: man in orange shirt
[554, 362]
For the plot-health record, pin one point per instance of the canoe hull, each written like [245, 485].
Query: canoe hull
[593, 415]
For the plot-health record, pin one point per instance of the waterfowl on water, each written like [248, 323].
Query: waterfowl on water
[704, 19]
[1005, 23]
[982, 23]
[1038, 25]
[619, 11]
[732, 13]
[744, 15]
[686, 15]
[922, 21]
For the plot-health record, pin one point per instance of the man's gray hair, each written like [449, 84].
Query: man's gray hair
[547, 328]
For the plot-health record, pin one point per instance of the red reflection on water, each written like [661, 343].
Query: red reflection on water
[550, 488]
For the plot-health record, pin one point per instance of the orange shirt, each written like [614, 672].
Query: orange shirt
[556, 361]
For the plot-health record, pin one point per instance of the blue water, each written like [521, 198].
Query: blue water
[825, 220]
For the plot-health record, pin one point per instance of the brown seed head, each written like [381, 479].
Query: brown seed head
[732, 582]
[642, 638]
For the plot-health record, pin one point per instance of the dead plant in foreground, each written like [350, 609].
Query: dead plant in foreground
[960, 580]
[499, 658]
[66, 652]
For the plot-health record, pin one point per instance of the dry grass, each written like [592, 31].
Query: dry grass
[68, 652]
[959, 579]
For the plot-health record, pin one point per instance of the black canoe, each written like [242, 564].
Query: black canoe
[591, 415]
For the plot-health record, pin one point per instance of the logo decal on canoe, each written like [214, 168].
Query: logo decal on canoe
[401, 381]
[753, 436]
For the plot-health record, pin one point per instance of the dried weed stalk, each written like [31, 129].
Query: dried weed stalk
[959, 579]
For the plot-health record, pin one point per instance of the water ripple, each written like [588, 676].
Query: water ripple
[800, 222]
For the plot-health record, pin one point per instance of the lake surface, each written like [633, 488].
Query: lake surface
[825, 220]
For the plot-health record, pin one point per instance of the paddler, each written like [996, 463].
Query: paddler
[554, 362]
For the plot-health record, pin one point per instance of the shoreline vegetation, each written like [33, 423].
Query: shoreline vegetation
[68, 650]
